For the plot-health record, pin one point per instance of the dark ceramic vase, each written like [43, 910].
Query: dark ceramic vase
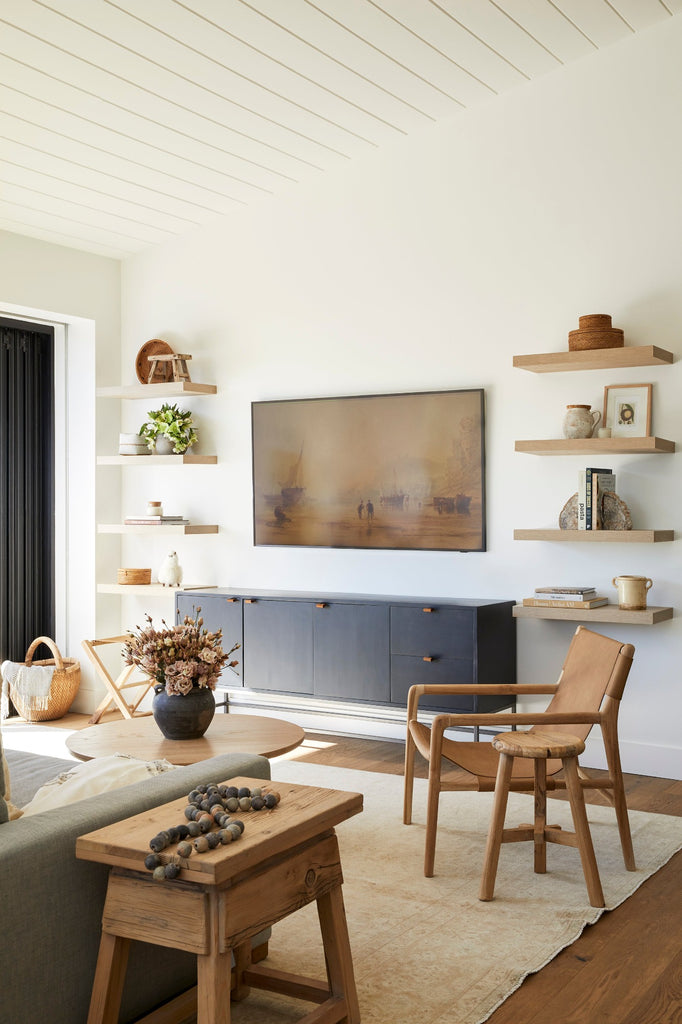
[183, 717]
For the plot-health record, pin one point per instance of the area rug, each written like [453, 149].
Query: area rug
[426, 950]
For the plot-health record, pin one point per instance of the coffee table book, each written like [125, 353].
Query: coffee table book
[538, 602]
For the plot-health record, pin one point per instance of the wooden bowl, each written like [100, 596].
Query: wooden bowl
[155, 347]
[127, 577]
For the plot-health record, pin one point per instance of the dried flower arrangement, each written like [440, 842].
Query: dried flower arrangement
[180, 658]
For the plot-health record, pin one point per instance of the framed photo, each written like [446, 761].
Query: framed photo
[403, 471]
[627, 409]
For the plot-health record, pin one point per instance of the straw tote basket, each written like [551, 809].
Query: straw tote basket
[66, 679]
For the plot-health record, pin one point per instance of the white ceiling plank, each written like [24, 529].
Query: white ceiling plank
[480, 37]
[40, 225]
[545, 22]
[55, 67]
[642, 13]
[597, 19]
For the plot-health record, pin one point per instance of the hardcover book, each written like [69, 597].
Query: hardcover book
[537, 602]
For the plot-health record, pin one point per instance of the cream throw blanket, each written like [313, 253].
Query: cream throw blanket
[30, 683]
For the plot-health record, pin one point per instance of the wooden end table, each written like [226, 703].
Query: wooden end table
[286, 858]
[227, 734]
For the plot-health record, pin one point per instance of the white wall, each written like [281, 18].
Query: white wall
[429, 266]
[80, 294]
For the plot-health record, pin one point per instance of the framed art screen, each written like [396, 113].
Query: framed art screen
[402, 471]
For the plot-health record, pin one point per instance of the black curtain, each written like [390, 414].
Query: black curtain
[27, 606]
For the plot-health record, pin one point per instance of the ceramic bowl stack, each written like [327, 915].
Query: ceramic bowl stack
[595, 331]
[132, 444]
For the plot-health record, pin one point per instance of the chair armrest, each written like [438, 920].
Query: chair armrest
[489, 689]
[443, 722]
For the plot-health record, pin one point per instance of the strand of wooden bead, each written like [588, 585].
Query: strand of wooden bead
[208, 805]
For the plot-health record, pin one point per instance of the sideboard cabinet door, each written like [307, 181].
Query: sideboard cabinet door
[218, 612]
[278, 645]
[351, 651]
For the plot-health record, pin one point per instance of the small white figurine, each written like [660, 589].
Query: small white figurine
[170, 573]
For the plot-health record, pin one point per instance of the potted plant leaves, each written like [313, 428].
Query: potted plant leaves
[169, 430]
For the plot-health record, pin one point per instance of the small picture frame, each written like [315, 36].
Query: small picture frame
[627, 409]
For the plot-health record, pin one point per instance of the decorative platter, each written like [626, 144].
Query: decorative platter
[615, 513]
[155, 347]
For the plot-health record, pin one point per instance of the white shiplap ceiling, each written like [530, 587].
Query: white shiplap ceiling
[125, 122]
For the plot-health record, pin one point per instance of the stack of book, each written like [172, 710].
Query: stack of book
[565, 597]
[592, 485]
[155, 520]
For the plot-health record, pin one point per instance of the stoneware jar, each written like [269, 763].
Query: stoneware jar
[632, 591]
[580, 421]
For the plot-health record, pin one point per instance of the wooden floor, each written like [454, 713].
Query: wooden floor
[625, 969]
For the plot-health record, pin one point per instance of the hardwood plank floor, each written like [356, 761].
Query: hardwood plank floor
[625, 969]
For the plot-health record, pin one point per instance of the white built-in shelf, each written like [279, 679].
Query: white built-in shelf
[598, 536]
[174, 529]
[607, 613]
[149, 589]
[597, 446]
[170, 389]
[594, 359]
[157, 460]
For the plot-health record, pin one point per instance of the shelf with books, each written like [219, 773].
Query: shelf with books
[597, 446]
[607, 613]
[594, 359]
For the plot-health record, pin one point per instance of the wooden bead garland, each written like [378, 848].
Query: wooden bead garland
[209, 804]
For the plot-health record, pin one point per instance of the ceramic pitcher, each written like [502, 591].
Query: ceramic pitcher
[632, 591]
[580, 421]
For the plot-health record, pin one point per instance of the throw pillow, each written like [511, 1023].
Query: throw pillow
[8, 812]
[90, 778]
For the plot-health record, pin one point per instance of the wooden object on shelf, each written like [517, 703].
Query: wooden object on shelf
[597, 446]
[143, 360]
[169, 367]
[115, 687]
[595, 332]
[149, 589]
[539, 746]
[170, 389]
[286, 859]
[157, 460]
[607, 613]
[594, 359]
[139, 577]
[615, 514]
[598, 536]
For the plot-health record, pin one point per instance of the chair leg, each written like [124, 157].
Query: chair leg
[582, 831]
[540, 823]
[408, 784]
[492, 849]
[619, 802]
[432, 817]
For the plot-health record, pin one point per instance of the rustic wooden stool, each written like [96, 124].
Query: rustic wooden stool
[169, 367]
[286, 858]
[540, 745]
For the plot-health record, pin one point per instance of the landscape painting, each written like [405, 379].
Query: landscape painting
[403, 471]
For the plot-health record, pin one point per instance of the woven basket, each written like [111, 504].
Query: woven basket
[128, 577]
[66, 679]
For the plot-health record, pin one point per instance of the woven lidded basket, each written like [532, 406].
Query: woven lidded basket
[66, 679]
[128, 577]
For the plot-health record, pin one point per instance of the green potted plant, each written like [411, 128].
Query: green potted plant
[170, 423]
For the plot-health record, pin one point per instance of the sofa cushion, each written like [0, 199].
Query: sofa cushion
[91, 778]
[7, 809]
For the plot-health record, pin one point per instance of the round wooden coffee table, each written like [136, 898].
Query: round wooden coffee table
[227, 734]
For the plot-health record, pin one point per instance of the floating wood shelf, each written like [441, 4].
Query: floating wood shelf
[598, 536]
[149, 589]
[168, 389]
[597, 446]
[607, 613]
[157, 460]
[594, 359]
[177, 529]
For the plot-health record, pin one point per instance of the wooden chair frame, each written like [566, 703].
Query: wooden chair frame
[116, 687]
[479, 760]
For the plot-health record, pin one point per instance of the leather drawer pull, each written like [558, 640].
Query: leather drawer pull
[427, 610]
[231, 600]
[321, 604]
[428, 657]
[249, 600]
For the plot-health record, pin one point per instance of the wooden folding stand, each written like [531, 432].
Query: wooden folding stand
[115, 687]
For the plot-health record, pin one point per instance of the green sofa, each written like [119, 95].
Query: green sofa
[51, 903]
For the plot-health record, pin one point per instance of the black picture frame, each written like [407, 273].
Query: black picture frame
[394, 471]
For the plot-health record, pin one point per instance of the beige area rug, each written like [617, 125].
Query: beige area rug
[427, 950]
